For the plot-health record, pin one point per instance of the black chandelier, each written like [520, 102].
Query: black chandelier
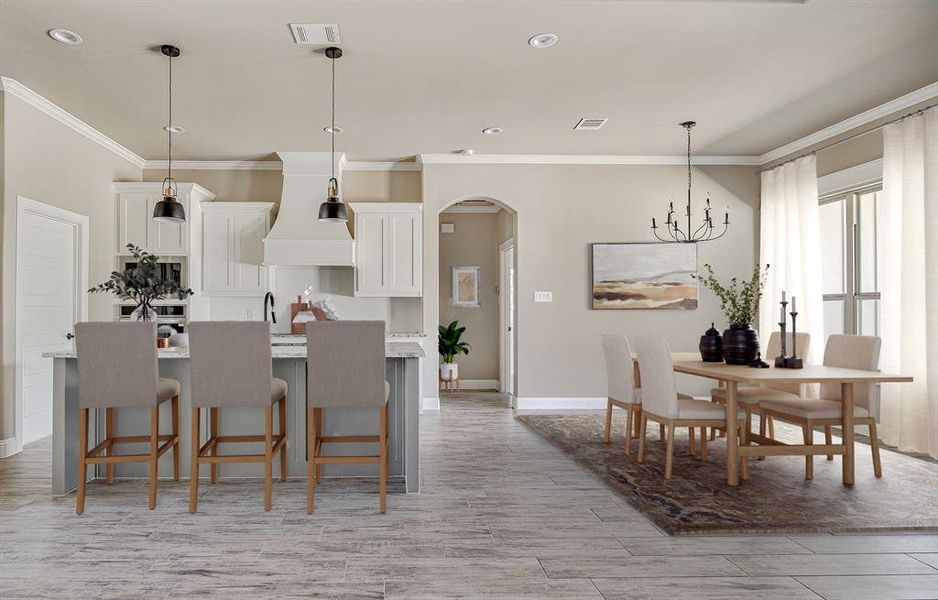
[169, 209]
[706, 230]
[332, 210]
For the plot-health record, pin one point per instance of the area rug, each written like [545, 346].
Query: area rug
[775, 498]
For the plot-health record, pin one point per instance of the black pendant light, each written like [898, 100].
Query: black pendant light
[169, 209]
[333, 210]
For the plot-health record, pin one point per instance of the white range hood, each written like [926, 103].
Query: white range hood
[297, 238]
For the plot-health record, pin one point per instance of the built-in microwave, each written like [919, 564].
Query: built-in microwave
[168, 269]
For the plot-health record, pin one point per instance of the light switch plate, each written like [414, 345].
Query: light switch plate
[543, 296]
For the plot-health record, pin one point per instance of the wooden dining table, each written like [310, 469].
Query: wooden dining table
[738, 454]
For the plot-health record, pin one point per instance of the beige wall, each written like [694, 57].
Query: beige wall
[473, 244]
[46, 161]
[561, 209]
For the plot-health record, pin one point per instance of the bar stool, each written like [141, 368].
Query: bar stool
[230, 363]
[345, 369]
[117, 368]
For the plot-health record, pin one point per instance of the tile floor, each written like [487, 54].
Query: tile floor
[503, 515]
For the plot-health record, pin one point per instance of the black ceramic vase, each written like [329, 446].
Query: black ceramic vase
[711, 345]
[740, 345]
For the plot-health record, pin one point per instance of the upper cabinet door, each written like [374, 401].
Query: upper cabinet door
[249, 231]
[233, 248]
[217, 270]
[136, 215]
[404, 262]
[371, 250]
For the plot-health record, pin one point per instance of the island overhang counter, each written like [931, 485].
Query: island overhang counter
[289, 364]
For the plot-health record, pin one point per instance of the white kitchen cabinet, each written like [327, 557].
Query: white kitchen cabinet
[136, 225]
[388, 249]
[233, 248]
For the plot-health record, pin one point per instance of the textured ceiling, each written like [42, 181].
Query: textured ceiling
[426, 77]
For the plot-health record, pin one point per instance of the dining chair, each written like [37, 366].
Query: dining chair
[345, 369]
[118, 368]
[620, 381]
[846, 351]
[661, 402]
[230, 365]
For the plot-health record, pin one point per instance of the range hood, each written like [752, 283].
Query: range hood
[297, 238]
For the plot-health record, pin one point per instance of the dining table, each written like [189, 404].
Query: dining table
[738, 452]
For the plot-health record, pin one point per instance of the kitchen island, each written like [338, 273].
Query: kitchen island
[289, 364]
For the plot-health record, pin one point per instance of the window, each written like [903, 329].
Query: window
[848, 261]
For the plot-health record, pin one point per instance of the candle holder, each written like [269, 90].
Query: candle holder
[781, 360]
[793, 362]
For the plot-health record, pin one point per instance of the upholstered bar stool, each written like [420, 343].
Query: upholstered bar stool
[230, 363]
[117, 368]
[345, 369]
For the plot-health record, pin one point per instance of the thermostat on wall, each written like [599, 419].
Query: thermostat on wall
[543, 296]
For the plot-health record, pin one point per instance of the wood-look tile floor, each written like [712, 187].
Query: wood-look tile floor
[503, 515]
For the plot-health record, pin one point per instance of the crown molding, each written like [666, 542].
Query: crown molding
[272, 165]
[354, 165]
[580, 159]
[886, 109]
[20, 91]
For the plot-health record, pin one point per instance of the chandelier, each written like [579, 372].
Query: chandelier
[705, 230]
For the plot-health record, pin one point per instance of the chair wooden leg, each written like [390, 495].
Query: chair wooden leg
[194, 463]
[771, 427]
[154, 457]
[630, 416]
[669, 456]
[692, 441]
[283, 433]
[641, 438]
[82, 457]
[383, 453]
[213, 433]
[744, 441]
[310, 459]
[874, 446]
[174, 407]
[828, 439]
[808, 432]
[762, 420]
[319, 417]
[268, 457]
[713, 433]
[661, 435]
[607, 432]
[703, 443]
[637, 409]
[109, 450]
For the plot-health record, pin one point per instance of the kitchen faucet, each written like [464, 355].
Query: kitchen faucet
[273, 317]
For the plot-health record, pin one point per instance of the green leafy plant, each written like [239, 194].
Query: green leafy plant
[142, 284]
[449, 342]
[738, 300]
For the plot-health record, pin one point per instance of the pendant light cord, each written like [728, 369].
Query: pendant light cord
[170, 128]
[332, 160]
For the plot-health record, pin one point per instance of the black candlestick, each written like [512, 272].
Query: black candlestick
[782, 359]
[793, 362]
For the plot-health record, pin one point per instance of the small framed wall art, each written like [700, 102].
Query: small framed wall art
[466, 287]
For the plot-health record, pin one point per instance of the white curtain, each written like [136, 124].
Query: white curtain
[791, 244]
[908, 281]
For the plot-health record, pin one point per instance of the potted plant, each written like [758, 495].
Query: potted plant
[142, 285]
[450, 346]
[740, 304]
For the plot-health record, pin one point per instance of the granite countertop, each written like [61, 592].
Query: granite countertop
[391, 350]
[298, 339]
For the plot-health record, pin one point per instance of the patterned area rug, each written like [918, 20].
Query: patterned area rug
[775, 498]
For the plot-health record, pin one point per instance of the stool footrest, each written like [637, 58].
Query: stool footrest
[346, 460]
[349, 439]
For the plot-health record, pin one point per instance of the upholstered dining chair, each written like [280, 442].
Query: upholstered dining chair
[345, 369]
[118, 368]
[620, 380]
[230, 365]
[748, 398]
[661, 402]
[846, 351]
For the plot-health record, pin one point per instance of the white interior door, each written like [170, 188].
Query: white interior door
[507, 319]
[49, 273]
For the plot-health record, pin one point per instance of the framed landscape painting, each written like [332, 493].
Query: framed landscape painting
[648, 275]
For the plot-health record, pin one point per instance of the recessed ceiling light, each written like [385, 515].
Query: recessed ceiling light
[65, 36]
[175, 128]
[543, 40]
[492, 130]
[466, 152]
[332, 129]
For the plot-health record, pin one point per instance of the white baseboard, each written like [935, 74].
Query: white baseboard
[560, 403]
[8, 447]
[431, 404]
[478, 384]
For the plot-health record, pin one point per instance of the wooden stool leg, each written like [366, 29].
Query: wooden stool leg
[319, 418]
[607, 432]
[641, 438]
[630, 416]
[154, 457]
[762, 419]
[874, 446]
[638, 419]
[383, 451]
[703, 443]
[771, 427]
[213, 433]
[109, 449]
[661, 435]
[744, 441]
[808, 432]
[692, 441]
[310, 459]
[283, 433]
[268, 456]
[669, 457]
[175, 416]
[82, 457]
[194, 463]
[828, 439]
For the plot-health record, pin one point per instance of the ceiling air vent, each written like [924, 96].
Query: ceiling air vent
[590, 124]
[315, 35]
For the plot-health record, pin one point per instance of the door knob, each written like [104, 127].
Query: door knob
[69, 336]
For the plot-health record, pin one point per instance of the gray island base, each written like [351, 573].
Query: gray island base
[289, 364]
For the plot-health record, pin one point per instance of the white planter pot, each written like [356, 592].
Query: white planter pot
[449, 371]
